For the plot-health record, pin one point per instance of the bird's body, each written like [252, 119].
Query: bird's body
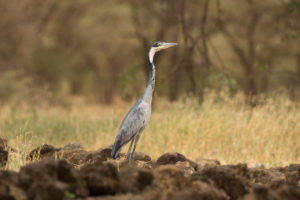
[138, 116]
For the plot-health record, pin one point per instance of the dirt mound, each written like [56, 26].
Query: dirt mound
[224, 178]
[3, 143]
[74, 153]
[135, 180]
[3, 157]
[51, 180]
[3, 152]
[43, 152]
[101, 178]
[71, 172]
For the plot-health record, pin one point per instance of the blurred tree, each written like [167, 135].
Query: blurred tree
[98, 49]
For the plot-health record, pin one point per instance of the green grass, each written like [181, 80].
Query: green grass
[226, 130]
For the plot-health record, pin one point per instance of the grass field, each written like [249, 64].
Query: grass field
[221, 128]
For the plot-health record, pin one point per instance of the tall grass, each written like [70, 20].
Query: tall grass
[222, 128]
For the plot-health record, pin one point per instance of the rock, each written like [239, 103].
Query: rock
[101, 178]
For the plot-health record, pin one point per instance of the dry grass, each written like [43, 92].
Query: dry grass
[221, 128]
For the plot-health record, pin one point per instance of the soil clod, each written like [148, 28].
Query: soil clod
[71, 172]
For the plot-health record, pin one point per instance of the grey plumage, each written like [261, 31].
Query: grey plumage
[138, 116]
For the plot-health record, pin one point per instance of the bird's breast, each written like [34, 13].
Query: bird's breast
[144, 111]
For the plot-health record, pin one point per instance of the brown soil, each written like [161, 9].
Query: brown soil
[72, 172]
[3, 152]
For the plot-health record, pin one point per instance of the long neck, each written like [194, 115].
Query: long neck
[147, 96]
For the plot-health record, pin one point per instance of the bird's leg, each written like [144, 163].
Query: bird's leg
[129, 150]
[131, 161]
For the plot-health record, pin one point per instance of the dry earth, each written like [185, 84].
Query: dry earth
[73, 173]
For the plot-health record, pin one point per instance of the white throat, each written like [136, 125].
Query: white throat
[151, 54]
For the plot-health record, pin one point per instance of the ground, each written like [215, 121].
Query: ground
[71, 172]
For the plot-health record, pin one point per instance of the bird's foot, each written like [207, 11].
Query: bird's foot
[131, 161]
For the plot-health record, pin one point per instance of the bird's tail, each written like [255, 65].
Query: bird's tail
[116, 148]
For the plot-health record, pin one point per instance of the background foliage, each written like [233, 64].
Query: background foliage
[57, 49]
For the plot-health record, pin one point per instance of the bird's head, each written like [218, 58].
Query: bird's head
[158, 46]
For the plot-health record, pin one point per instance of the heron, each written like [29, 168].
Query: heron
[138, 116]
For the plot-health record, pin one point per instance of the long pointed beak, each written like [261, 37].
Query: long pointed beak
[170, 44]
[166, 45]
